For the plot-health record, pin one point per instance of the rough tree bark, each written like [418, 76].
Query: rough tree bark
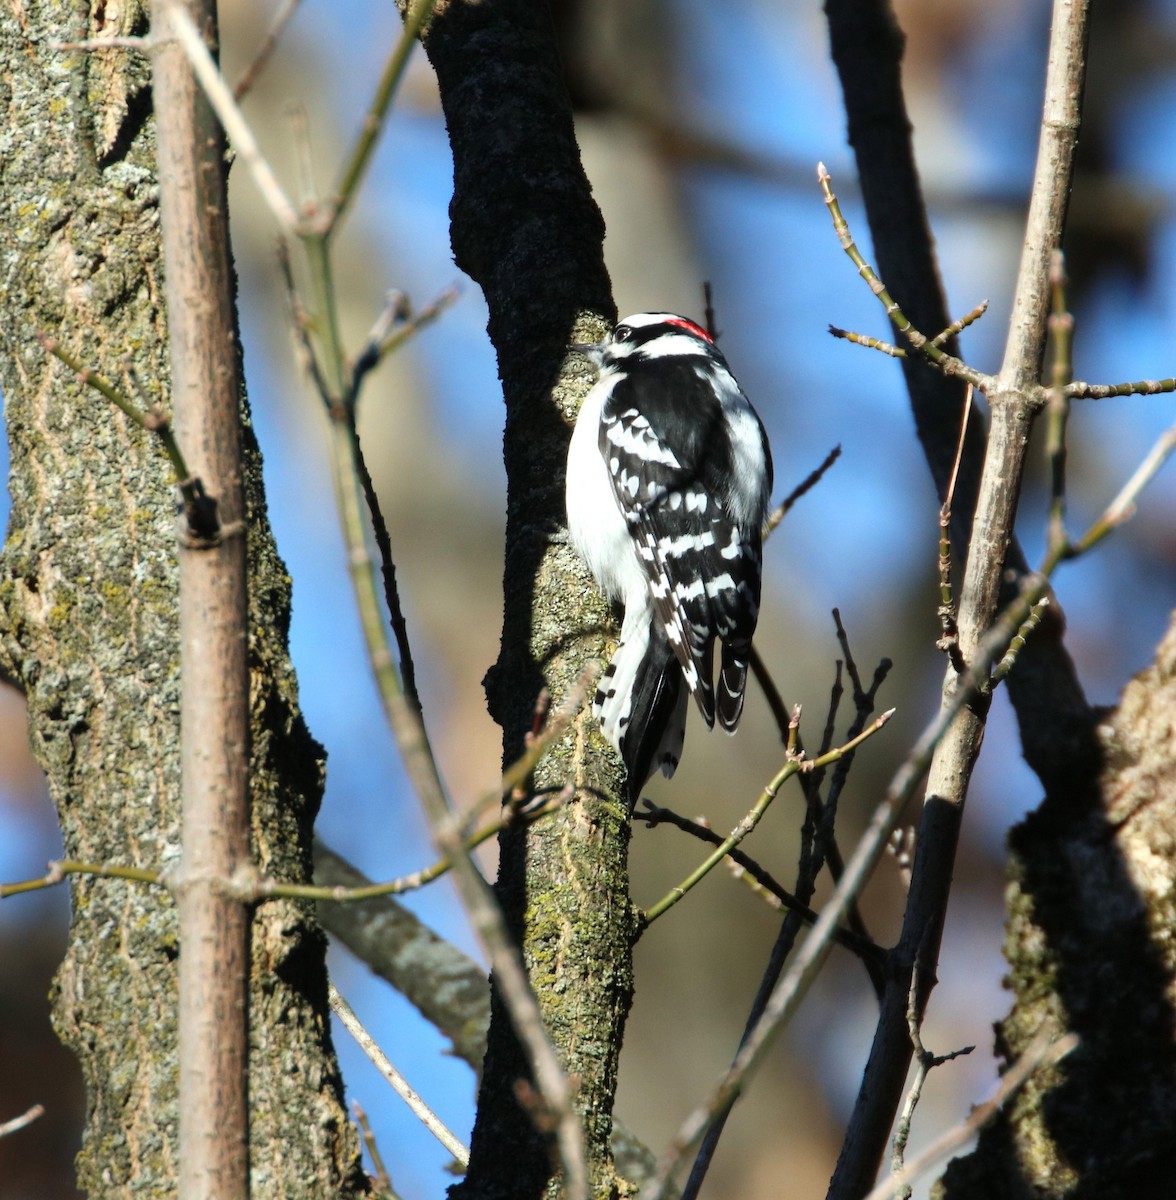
[524, 227]
[1092, 906]
[89, 631]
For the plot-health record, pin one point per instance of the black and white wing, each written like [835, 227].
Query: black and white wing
[674, 462]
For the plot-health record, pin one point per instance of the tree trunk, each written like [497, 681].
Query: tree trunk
[89, 630]
[525, 228]
[1091, 909]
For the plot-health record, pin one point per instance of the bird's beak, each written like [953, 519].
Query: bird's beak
[592, 351]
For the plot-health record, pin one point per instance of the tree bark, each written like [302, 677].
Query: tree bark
[89, 630]
[1091, 912]
[525, 228]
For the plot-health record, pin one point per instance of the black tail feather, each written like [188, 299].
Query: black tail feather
[732, 681]
[656, 729]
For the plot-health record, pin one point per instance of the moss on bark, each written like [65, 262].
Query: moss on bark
[89, 630]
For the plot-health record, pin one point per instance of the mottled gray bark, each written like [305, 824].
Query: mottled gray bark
[89, 630]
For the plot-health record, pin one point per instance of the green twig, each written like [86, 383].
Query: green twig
[938, 341]
[61, 868]
[1122, 507]
[762, 880]
[373, 123]
[752, 819]
[1105, 391]
[927, 348]
[153, 421]
[957, 327]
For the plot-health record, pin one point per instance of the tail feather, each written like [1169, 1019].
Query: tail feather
[732, 682]
[642, 700]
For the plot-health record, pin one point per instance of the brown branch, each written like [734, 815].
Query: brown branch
[1054, 719]
[214, 715]
[1013, 403]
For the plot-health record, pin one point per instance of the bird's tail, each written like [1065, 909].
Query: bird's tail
[642, 700]
[731, 684]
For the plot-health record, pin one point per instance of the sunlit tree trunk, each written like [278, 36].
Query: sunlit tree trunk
[89, 631]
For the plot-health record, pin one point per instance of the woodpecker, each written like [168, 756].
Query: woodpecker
[669, 477]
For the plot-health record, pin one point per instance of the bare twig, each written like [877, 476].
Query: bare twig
[1042, 1053]
[16, 1124]
[265, 51]
[394, 329]
[788, 992]
[925, 1063]
[1014, 398]
[807, 484]
[753, 817]
[143, 44]
[1122, 507]
[928, 348]
[382, 1181]
[949, 640]
[414, 20]
[154, 421]
[863, 947]
[1079, 390]
[230, 115]
[400, 1085]
[60, 869]
[888, 348]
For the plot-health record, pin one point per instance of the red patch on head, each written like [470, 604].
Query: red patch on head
[690, 327]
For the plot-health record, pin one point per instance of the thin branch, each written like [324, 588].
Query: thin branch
[949, 640]
[379, 527]
[787, 994]
[60, 869]
[958, 327]
[925, 1063]
[1061, 336]
[414, 21]
[928, 348]
[1078, 390]
[807, 484]
[142, 44]
[155, 421]
[1122, 507]
[753, 817]
[265, 51]
[1042, 1053]
[227, 110]
[888, 348]
[214, 716]
[382, 1182]
[394, 329]
[427, 1117]
[868, 951]
[1014, 398]
[16, 1124]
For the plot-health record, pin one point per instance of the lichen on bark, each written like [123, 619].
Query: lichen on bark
[1090, 946]
[88, 629]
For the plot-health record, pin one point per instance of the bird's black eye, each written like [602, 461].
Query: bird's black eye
[622, 333]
